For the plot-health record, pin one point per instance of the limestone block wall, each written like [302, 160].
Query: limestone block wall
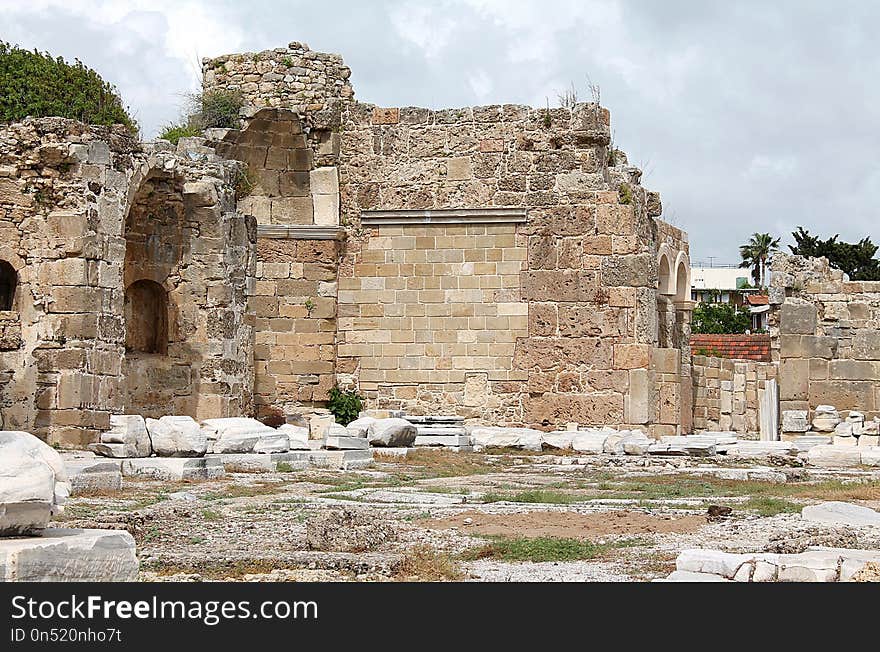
[727, 393]
[66, 191]
[431, 315]
[826, 334]
[565, 272]
[294, 311]
[294, 77]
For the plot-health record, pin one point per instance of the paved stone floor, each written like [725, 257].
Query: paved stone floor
[510, 516]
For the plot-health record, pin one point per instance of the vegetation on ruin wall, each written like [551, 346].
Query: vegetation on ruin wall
[206, 110]
[36, 84]
[856, 260]
[719, 318]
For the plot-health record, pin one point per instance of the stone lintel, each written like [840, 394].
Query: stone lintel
[300, 232]
[445, 216]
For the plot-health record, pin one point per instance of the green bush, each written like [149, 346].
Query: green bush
[174, 132]
[217, 108]
[345, 406]
[38, 85]
[718, 318]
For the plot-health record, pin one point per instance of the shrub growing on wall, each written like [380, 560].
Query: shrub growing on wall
[207, 109]
[36, 84]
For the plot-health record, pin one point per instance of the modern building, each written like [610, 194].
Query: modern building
[717, 283]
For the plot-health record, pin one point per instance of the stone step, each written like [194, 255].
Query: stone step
[346, 443]
[441, 431]
[434, 419]
[174, 468]
[443, 440]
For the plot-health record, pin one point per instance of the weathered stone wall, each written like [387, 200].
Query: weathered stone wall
[294, 77]
[579, 270]
[826, 333]
[294, 310]
[727, 393]
[65, 194]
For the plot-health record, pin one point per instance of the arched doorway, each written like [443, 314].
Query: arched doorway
[8, 284]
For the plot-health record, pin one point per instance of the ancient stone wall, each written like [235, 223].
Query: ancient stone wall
[826, 333]
[78, 208]
[727, 393]
[476, 231]
[294, 77]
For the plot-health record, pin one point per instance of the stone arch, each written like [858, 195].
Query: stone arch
[8, 285]
[666, 284]
[146, 317]
[682, 278]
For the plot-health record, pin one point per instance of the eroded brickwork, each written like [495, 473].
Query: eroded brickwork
[826, 333]
[727, 393]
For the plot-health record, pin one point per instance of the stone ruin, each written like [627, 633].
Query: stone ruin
[33, 488]
[500, 264]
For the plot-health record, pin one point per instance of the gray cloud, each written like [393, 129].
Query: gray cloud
[747, 116]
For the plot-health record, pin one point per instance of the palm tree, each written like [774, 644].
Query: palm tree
[756, 253]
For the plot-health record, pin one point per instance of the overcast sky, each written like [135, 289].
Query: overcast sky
[747, 116]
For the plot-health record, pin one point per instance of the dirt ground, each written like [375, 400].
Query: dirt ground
[566, 524]
[439, 516]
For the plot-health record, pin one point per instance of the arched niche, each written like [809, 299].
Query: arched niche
[146, 318]
[682, 278]
[8, 285]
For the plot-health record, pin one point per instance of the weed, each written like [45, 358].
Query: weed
[540, 549]
[174, 132]
[344, 405]
[211, 515]
[424, 564]
[533, 496]
[625, 194]
[284, 467]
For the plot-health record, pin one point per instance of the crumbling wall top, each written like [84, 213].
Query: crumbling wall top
[294, 77]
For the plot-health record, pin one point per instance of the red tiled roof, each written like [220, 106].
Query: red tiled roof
[758, 299]
[740, 347]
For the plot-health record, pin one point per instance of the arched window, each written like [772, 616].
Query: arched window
[146, 318]
[8, 282]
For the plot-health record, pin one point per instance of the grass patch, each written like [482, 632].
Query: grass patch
[769, 506]
[458, 491]
[533, 496]
[425, 464]
[538, 549]
[245, 491]
[284, 467]
[211, 515]
[423, 564]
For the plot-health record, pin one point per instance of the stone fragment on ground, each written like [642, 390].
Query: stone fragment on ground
[392, 433]
[68, 555]
[33, 484]
[174, 469]
[297, 437]
[238, 435]
[127, 437]
[177, 436]
[840, 513]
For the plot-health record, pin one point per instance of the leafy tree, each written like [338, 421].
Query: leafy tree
[38, 85]
[856, 260]
[720, 318]
[756, 253]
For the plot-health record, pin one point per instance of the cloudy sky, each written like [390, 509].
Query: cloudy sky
[747, 116]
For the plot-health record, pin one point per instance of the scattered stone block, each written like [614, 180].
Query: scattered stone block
[495, 437]
[234, 434]
[127, 437]
[391, 432]
[690, 576]
[67, 555]
[33, 484]
[93, 475]
[346, 443]
[840, 513]
[176, 436]
[174, 469]
[716, 562]
[795, 421]
[443, 440]
[297, 437]
[834, 456]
